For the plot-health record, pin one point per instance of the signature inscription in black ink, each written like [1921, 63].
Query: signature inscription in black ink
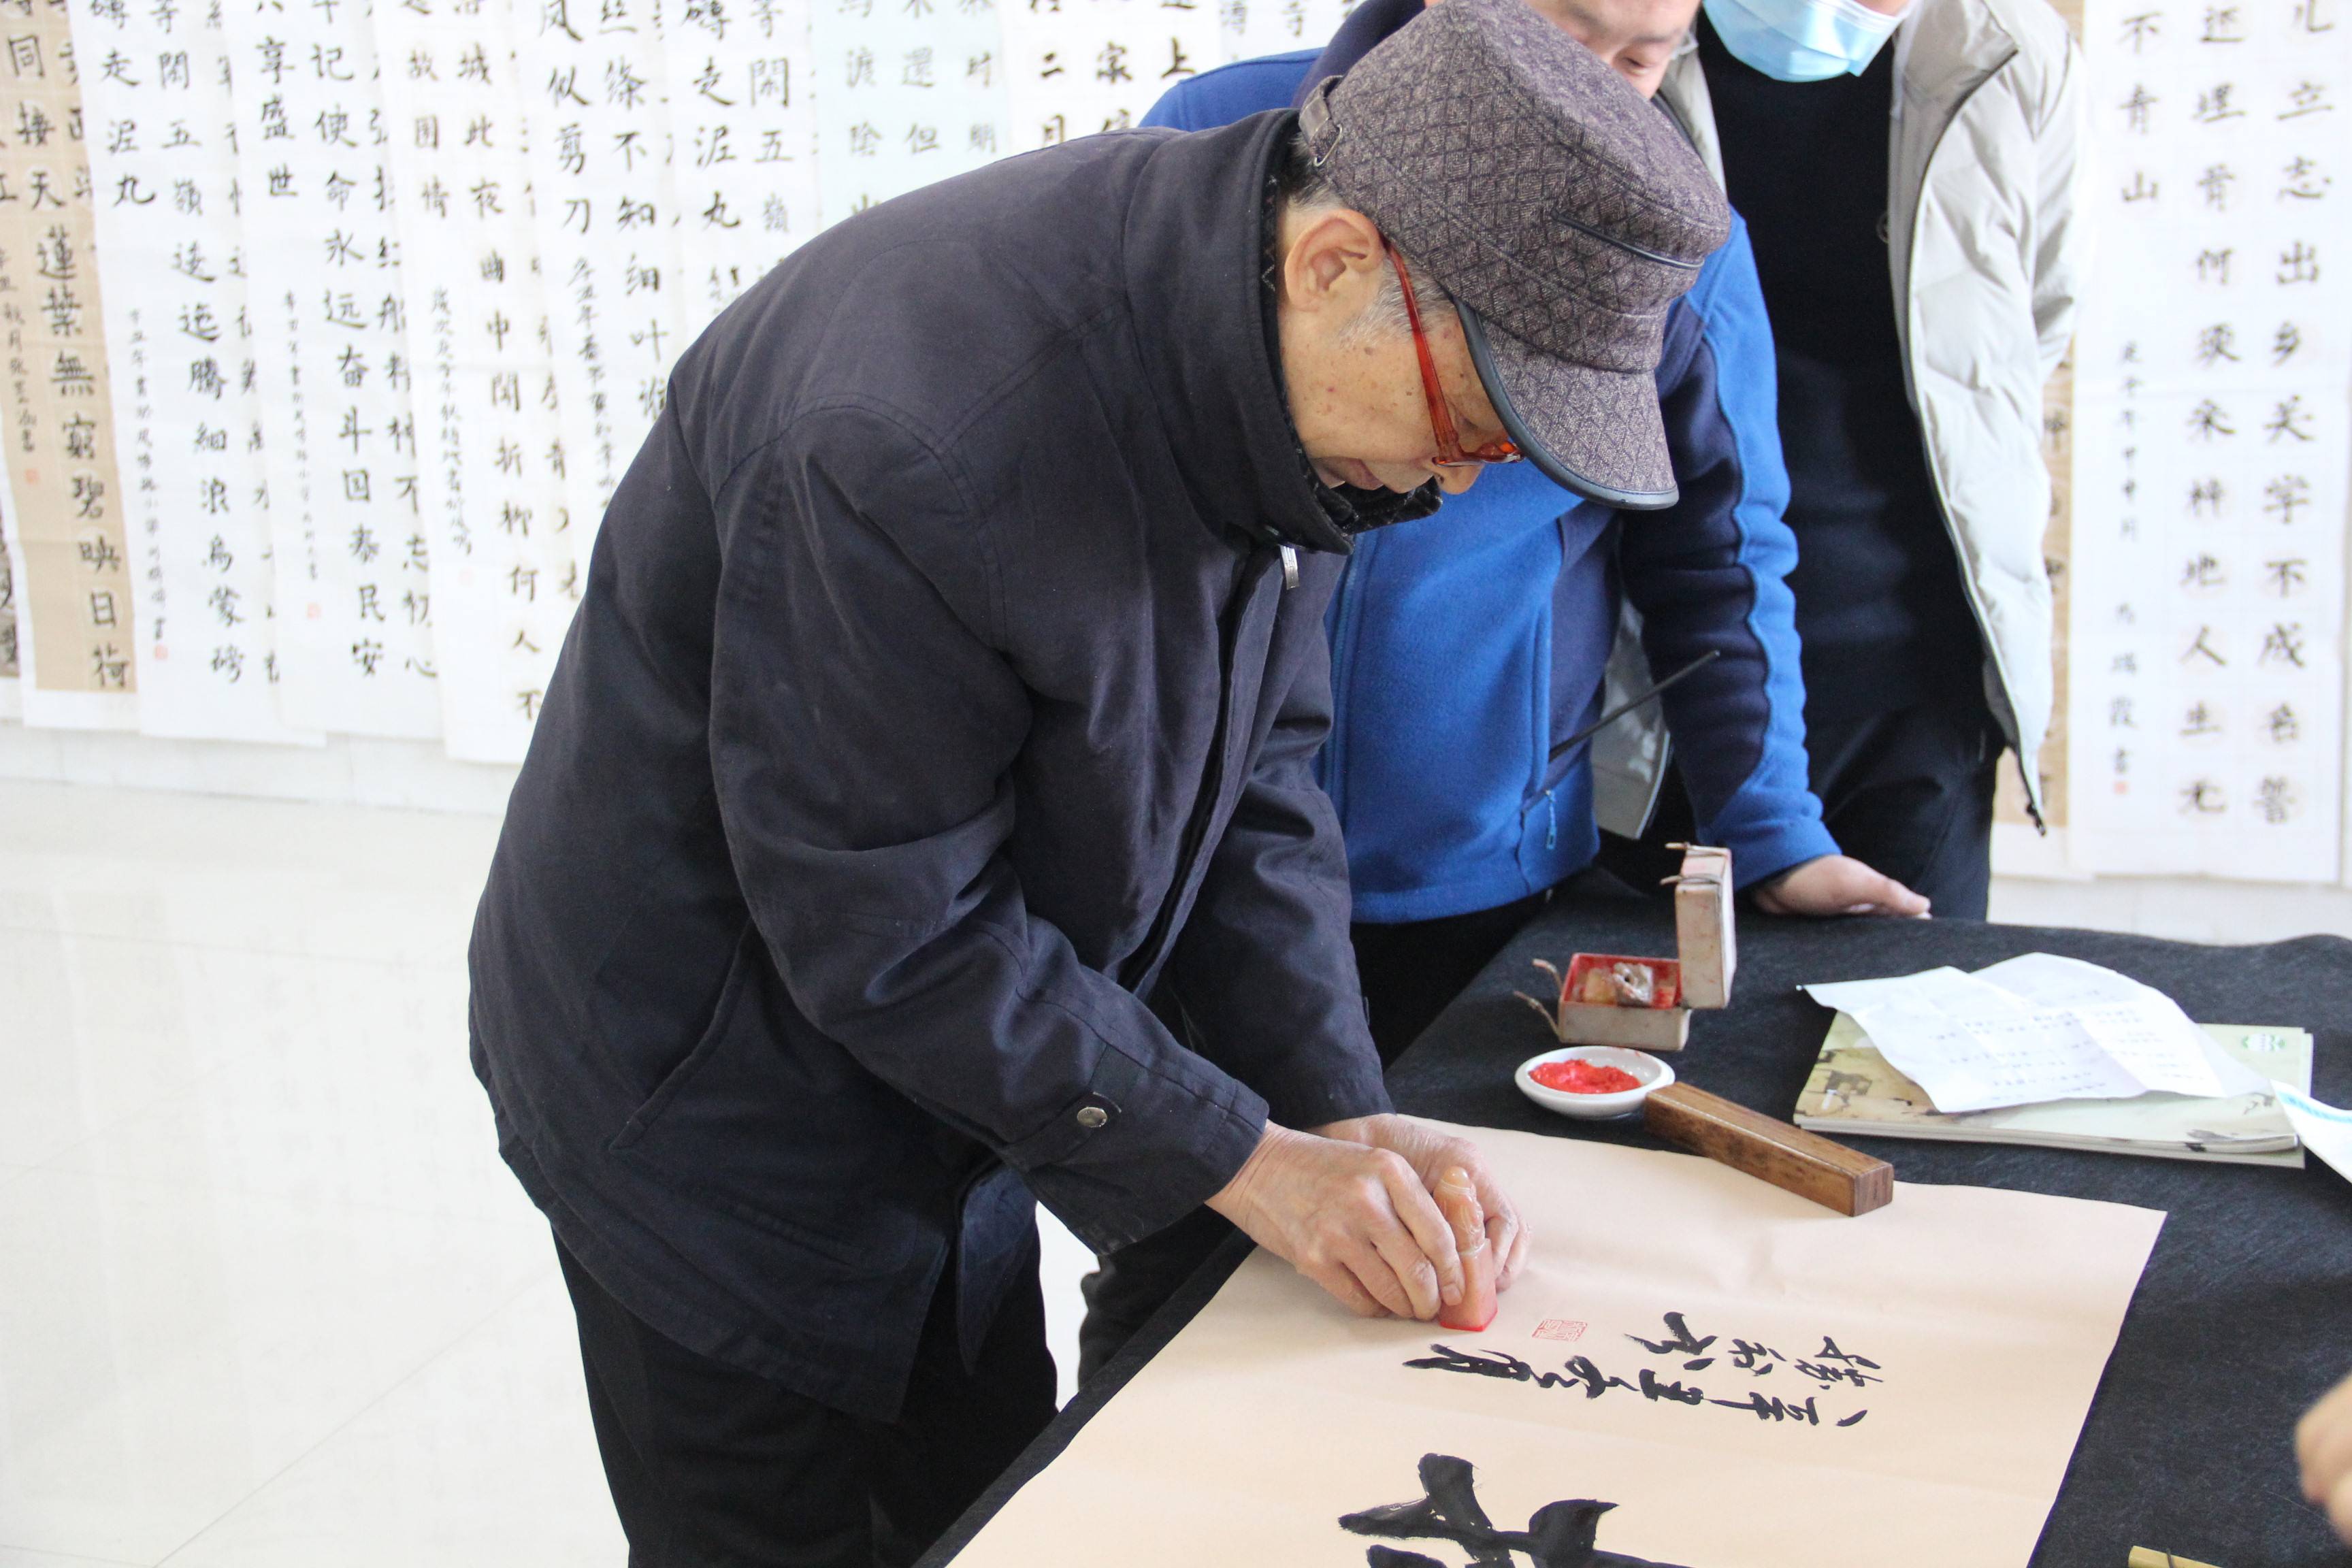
[1828, 1369]
[1558, 1536]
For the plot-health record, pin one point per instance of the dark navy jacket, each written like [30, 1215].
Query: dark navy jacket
[1465, 644]
[935, 695]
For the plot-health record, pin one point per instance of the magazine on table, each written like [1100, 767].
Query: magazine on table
[1854, 1091]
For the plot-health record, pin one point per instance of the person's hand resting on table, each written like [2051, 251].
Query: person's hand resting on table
[2322, 1445]
[1349, 1206]
[1838, 885]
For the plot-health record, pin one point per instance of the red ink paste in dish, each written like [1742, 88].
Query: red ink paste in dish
[1577, 1076]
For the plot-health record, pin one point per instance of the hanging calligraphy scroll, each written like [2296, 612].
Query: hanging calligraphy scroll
[2212, 424]
[187, 411]
[74, 593]
[11, 703]
[1249, 28]
[908, 92]
[354, 606]
[745, 166]
[504, 575]
[1083, 66]
[595, 81]
[1681, 1377]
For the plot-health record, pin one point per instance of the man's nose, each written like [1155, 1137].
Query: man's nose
[1454, 479]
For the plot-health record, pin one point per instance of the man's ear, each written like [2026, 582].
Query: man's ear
[1333, 263]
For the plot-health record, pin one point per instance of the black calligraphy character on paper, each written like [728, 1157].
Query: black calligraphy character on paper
[2285, 495]
[1558, 1536]
[2222, 26]
[2283, 644]
[205, 379]
[2213, 105]
[2199, 723]
[2306, 98]
[2208, 420]
[2202, 797]
[2303, 182]
[2138, 108]
[1830, 1364]
[1682, 1343]
[2274, 799]
[2289, 418]
[1766, 1408]
[2215, 344]
[2282, 724]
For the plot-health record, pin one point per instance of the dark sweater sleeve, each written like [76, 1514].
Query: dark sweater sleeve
[863, 727]
[1264, 971]
[1710, 573]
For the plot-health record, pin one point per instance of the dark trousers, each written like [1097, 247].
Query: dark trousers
[1409, 973]
[712, 1467]
[1907, 792]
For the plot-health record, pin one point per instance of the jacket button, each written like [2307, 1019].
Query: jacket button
[1092, 1116]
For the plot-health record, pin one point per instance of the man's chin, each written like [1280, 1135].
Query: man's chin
[1354, 473]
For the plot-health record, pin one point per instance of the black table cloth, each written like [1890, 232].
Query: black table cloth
[2243, 1318]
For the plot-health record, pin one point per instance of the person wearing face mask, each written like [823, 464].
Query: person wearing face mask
[1465, 645]
[1905, 168]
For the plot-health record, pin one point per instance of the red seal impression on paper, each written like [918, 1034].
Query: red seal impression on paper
[1560, 1329]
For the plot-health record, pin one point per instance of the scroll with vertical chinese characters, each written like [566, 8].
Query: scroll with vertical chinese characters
[76, 615]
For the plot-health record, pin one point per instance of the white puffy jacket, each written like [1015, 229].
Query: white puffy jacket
[1987, 255]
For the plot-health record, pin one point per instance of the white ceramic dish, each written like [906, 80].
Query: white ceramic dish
[1653, 1074]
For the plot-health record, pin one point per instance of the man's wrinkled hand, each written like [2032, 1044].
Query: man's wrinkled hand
[1429, 1151]
[2323, 1446]
[1356, 1219]
[1838, 885]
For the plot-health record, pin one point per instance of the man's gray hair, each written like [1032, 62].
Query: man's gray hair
[1306, 190]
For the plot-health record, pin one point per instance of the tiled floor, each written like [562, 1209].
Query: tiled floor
[267, 1296]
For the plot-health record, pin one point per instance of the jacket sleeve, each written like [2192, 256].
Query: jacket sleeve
[1710, 573]
[1264, 972]
[2061, 255]
[863, 728]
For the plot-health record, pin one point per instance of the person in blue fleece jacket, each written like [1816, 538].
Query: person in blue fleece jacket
[1465, 645]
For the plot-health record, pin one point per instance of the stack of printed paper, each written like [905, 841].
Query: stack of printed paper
[2035, 1028]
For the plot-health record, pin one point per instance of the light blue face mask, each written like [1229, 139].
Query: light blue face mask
[1802, 40]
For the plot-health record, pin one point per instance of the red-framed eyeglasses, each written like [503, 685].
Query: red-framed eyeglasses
[1451, 454]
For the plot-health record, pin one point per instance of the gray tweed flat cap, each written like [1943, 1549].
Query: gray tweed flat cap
[1562, 210]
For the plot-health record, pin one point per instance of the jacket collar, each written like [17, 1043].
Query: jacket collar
[1943, 51]
[1195, 252]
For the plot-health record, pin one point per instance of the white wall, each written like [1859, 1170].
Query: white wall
[2032, 889]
